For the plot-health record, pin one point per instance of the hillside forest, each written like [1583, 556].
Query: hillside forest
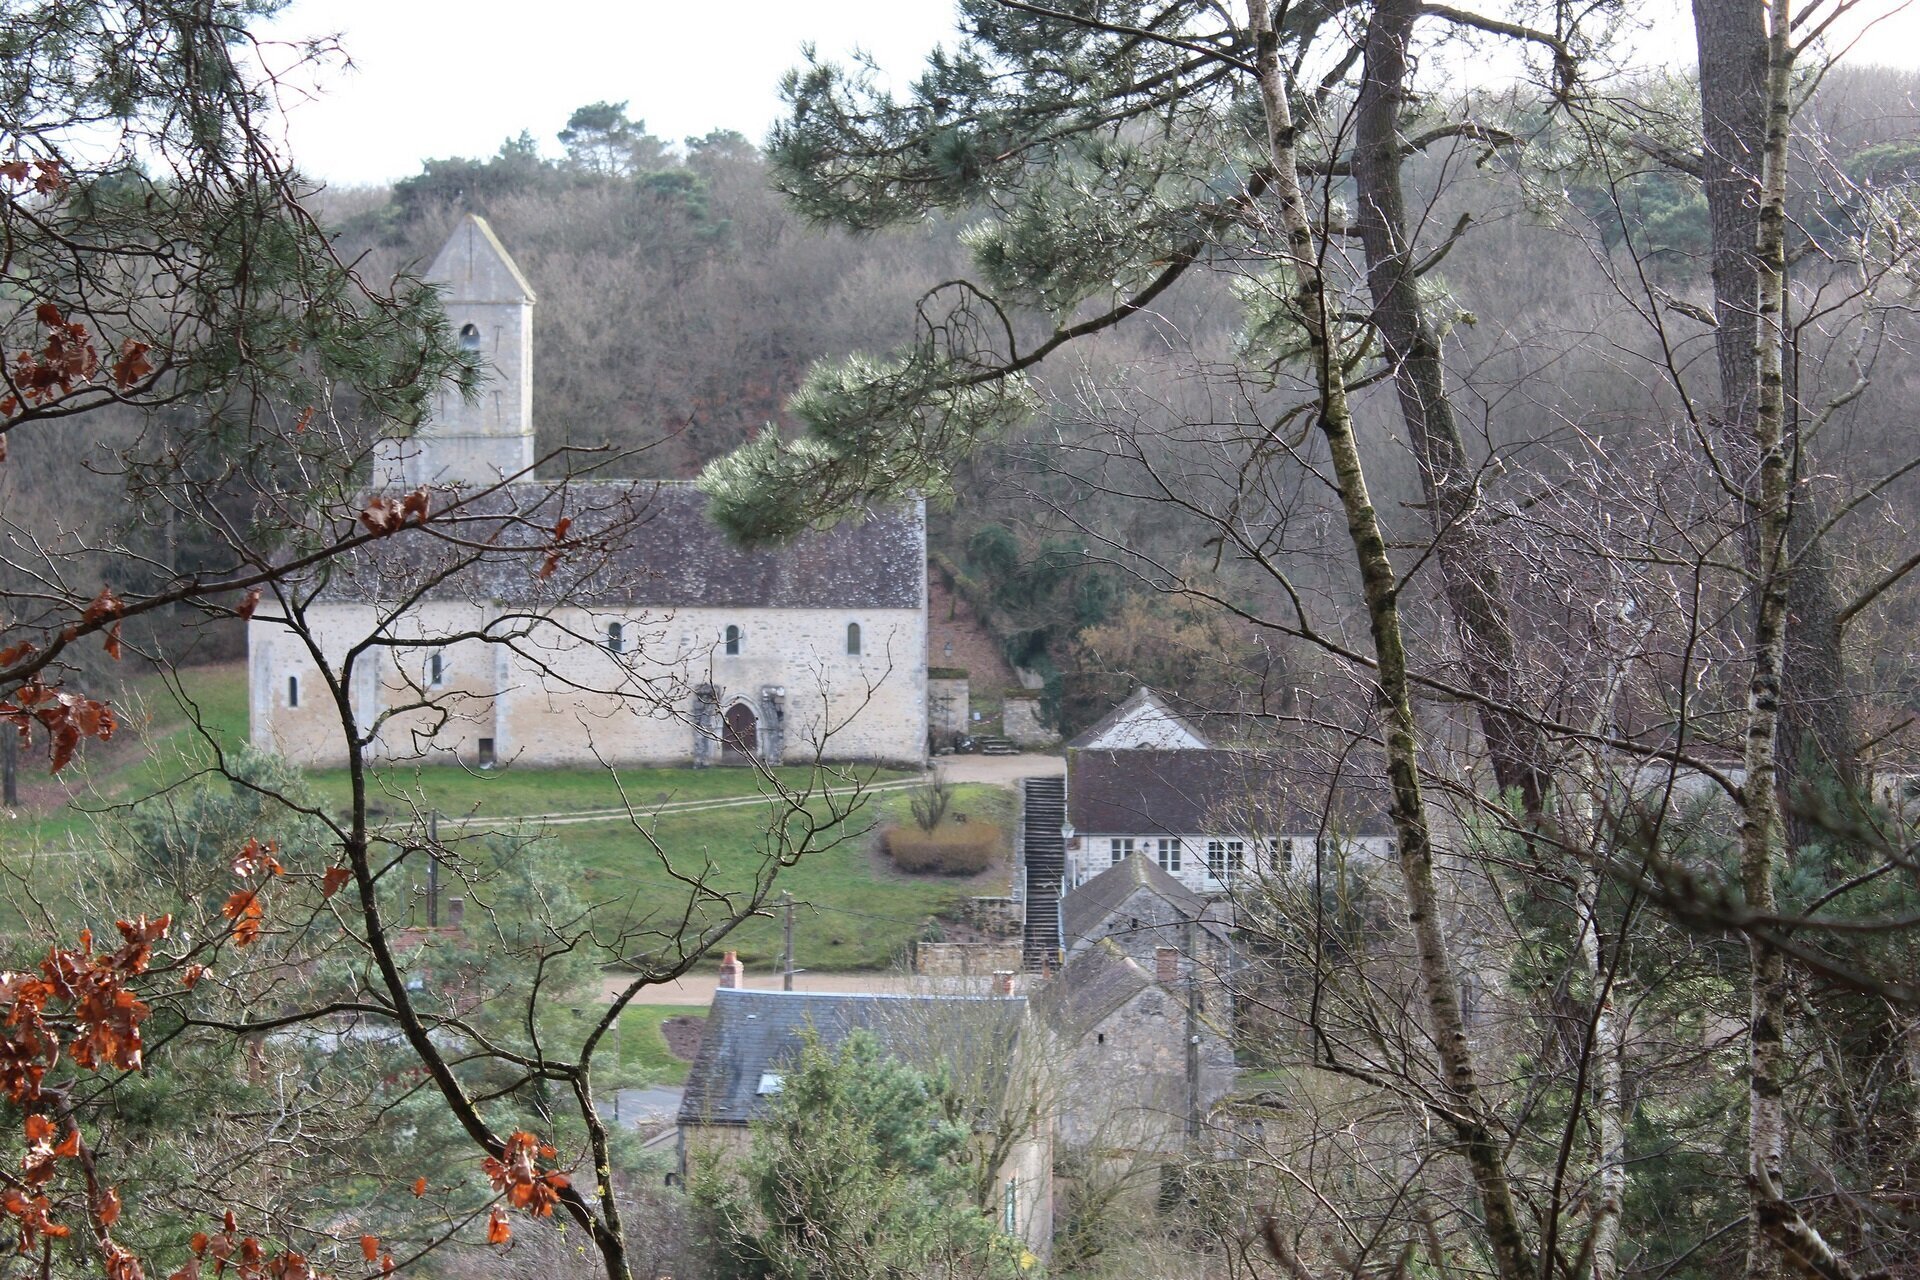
[1518, 471]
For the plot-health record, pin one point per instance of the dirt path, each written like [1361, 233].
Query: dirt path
[1002, 771]
[696, 990]
[670, 810]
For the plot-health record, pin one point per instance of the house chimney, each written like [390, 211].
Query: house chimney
[456, 912]
[1166, 965]
[733, 974]
[1003, 982]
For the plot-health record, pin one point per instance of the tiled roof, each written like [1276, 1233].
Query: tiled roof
[1086, 990]
[1083, 909]
[752, 1035]
[1193, 792]
[634, 543]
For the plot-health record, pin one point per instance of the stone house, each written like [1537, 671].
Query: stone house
[1146, 913]
[983, 1042]
[1141, 1062]
[659, 642]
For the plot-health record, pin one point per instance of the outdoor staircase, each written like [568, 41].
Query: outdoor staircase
[998, 747]
[1043, 852]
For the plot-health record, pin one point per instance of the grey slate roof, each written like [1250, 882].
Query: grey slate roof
[1145, 792]
[1087, 989]
[643, 543]
[750, 1034]
[1085, 907]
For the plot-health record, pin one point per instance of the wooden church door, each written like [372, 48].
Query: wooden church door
[742, 733]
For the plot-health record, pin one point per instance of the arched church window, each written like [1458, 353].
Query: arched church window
[293, 691]
[616, 638]
[436, 671]
[733, 640]
[469, 337]
[853, 638]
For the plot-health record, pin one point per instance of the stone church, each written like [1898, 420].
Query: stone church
[657, 642]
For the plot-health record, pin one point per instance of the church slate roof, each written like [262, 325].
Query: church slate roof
[642, 543]
[1092, 902]
[1184, 792]
[753, 1034]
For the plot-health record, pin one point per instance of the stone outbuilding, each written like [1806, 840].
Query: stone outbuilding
[1159, 923]
[1141, 1062]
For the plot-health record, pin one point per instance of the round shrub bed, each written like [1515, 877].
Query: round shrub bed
[950, 849]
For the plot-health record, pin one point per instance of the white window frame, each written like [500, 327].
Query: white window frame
[1167, 852]
[1118, 847]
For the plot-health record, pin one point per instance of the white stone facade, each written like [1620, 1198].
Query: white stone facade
[563, 697]
[1212, 863]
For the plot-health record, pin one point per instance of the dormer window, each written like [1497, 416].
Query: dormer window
[616, 638]
[853, 639]
[733, 637]
[469, 337]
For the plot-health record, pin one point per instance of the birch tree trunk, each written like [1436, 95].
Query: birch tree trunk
[1439, 983]
[1609, 1054]
[1769, 512]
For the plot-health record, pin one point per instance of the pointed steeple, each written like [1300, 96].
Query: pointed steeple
[489, 307]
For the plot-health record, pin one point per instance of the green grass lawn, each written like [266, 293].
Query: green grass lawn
[638, 1055]
[852, 911]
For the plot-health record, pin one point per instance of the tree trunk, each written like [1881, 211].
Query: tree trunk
[1818, 726]
[1819, 729]
[1439, 983]
[1609, 1057]
[1769, 514]
[1469, 572]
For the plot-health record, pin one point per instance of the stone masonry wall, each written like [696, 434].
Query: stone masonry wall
[568, 700]
[966, 959]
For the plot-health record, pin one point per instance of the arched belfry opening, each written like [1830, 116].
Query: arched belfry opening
[469, 337]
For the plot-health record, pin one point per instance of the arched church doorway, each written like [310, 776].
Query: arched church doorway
[740, 734]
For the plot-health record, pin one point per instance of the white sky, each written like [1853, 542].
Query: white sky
[435, 78]
[444, 78]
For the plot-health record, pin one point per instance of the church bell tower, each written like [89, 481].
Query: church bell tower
[489, 307]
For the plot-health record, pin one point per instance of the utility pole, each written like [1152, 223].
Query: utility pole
[1193, 1034]
[433, 868]
[786, 974]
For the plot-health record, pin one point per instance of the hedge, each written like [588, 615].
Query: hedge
[951, 849]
